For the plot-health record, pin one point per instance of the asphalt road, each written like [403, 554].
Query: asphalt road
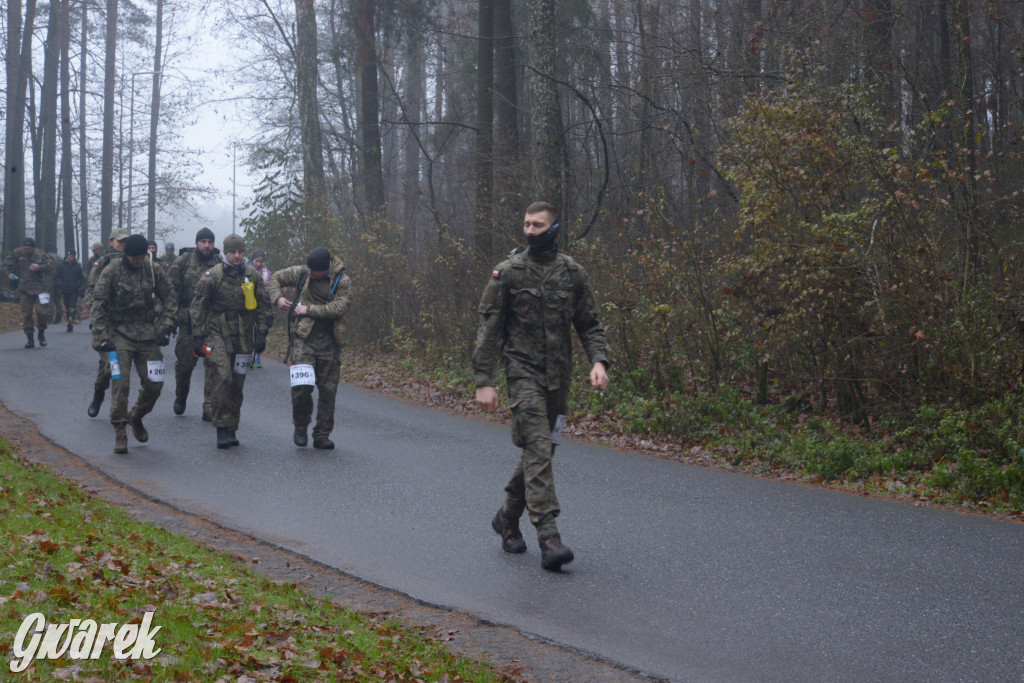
[682, 573]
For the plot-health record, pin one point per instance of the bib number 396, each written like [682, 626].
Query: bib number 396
[302, 375]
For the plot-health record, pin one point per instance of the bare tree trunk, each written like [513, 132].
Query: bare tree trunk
[484, 128]
[306, 80]
[369, 123]
[107, 169]
[19, 46]
[154, 119]
[413, 116]
[46, 194]
[547, 145]
[506, 139]
[83, 162]
[66, 172]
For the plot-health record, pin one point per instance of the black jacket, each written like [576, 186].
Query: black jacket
[70, 277]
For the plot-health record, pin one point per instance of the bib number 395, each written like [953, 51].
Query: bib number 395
[302, 375]
[243, 361]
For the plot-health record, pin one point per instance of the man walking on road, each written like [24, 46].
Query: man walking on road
[126, 320]
[114, 252]
[31, 271]
[230, 314]
[527, 308]
[71, 283]
[184, 273]
[315, 334]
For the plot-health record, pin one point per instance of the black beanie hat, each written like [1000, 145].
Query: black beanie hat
[28, 242]
[136, 245]
[204, 234]
[319, 259]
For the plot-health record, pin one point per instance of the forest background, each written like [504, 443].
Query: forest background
[801, 218]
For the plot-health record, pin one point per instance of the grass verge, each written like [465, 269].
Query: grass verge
[68, 555]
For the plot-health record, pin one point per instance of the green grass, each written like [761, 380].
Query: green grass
[70, 556]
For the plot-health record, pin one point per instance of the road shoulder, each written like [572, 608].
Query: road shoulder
[519, 655]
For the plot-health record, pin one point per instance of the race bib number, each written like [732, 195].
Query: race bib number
[243, 361]
[155, 370]
[44, 298]
[302, 375]
[556, 433]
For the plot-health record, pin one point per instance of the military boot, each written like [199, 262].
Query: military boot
[31, 343]
[120, 439]
[42, 336]
[207, 415]
[232, 437]
[138, 431]
[70, 328]
[97, 401]
[223, 437]
[511, 537]
[179, 405]
[323, 443]
[553, 554]
[300, 436]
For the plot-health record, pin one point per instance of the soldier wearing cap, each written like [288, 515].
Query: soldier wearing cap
[230, 314]
[184, 272]
[315, 333]
[127, 319]
[114, 250]
[30, 270]
[168, 257]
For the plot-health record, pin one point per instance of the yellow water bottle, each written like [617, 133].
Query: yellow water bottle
[249, 289]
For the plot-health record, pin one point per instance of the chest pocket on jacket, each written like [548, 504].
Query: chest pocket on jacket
[128, 296]
[526, 304]
[559, 302]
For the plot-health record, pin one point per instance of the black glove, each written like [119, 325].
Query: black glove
[260, 342]
[197, 346]
[106, 346]
[164, 338]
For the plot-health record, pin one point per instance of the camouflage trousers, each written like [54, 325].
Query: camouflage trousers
[57, 299]
[135, 354]
[532, 486]
[29, 303]
[320, 351]
[185, 363]
[102, 374]
[225, 385]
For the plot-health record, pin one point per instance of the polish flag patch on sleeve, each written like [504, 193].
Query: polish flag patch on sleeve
[495, 273]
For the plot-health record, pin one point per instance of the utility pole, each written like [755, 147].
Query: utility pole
[234, 176]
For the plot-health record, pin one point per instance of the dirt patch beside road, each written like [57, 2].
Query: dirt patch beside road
[521, 656]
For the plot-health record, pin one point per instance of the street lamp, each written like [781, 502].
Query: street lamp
[131, 143]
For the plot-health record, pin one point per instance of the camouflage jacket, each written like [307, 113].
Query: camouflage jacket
[29, 282]
[102, 261]
[218, 307]
[184, 273]
[126, 302]
[528, 310]
[327, 299]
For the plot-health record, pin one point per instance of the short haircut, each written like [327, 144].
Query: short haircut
[537, 207]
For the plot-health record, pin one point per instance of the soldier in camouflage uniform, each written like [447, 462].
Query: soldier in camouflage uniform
[184, 273]
[31, 271]
[231, 314]
[528, 309]
[113, 252]
[52, 288]
[315, 334]
[125, 319]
